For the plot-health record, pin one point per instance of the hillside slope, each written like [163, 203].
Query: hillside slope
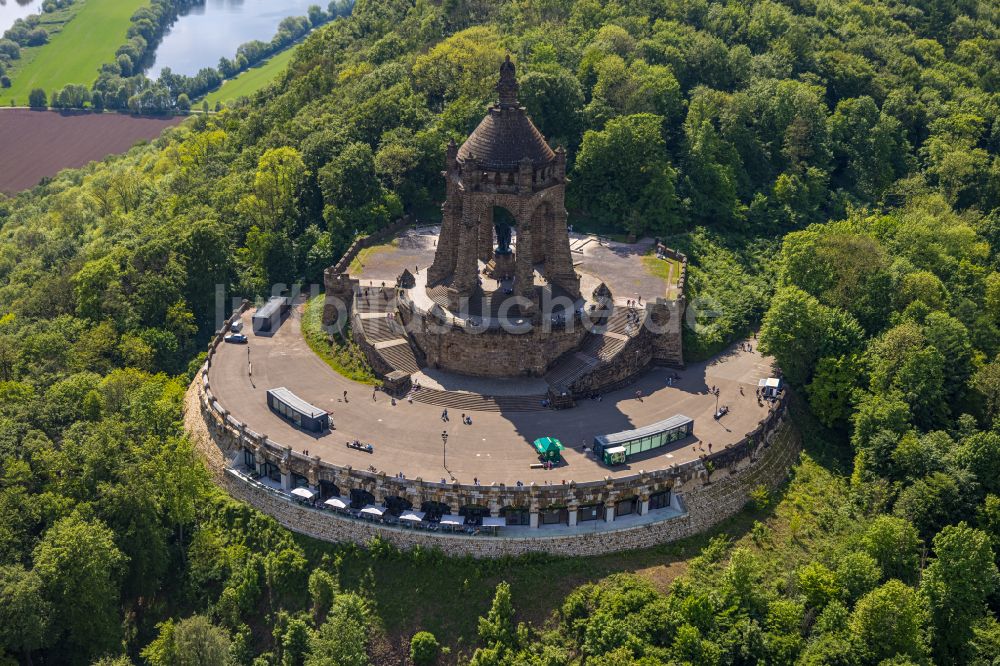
[831, 170]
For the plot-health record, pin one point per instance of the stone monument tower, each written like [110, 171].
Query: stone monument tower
[504, 178]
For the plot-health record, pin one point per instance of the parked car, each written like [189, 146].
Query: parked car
[236, 338]
[236, 326]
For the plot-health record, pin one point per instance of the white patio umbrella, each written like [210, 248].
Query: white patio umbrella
[335, 503]
[303, 493]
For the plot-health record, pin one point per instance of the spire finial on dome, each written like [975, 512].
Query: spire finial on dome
[507, 86]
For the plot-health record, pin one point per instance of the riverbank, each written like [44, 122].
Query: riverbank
[89, 37]
[251, 80]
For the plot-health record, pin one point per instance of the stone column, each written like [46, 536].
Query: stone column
[533, 519]
[540, 221]
[485, 240]
[643, 506]
[286, 477]
[259, 460]
[467, 264]
[524, 272]
[451, 217]
[313, 474]
[609, 512]
[558, 259]
[572, 516]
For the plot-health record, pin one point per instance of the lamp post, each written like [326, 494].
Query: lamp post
[444, 448]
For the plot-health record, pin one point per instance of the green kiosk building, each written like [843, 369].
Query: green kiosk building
[617, 448]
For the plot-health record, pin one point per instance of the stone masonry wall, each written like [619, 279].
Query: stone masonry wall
[707, 505]
[496, 353]
[336, 280]
[763, 458]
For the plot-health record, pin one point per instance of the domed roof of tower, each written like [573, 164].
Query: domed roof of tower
[506, 135]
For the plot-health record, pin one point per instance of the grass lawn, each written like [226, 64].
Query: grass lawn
[668, 270]
[358, 264]
[340, 353]
[75, 53]
[252, 80]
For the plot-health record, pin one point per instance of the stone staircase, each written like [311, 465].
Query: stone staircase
[600, 347]
[604, 347]
[380, 329]
[473, 402]
[399, 355]
[373, 299]
[384, 335]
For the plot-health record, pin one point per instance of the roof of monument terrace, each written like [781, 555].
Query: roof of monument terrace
[503, 139]
[506, 135]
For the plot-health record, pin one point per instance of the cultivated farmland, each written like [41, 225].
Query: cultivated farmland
[46, 142]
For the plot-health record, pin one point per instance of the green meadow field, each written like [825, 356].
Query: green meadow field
[76, 53]
[253, 79]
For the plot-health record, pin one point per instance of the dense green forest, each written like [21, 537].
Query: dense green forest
[831, 168]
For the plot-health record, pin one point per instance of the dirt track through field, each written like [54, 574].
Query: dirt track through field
[36, 144]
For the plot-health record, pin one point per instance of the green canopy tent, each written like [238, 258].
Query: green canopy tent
[548, 449]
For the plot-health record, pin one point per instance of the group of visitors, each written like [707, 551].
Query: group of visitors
[467, 420]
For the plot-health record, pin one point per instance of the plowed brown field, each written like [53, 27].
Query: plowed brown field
[35, 144]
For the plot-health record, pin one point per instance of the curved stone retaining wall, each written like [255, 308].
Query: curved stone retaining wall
[706, 506]
[710, 489]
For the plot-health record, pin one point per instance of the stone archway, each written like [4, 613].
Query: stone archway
[328, 489]
[495, 246]
[516, 515]
[434, 510]
[361, 498]
[474, 513]
[396, 505]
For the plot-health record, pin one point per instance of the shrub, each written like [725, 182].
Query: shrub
[37, 37]
[37, 99]
[760, 497]
[424, 648]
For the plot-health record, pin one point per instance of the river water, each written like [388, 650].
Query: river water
[11, 10]
[214, 30]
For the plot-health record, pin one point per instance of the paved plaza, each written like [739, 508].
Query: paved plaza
[496, 447]
[618, 265]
